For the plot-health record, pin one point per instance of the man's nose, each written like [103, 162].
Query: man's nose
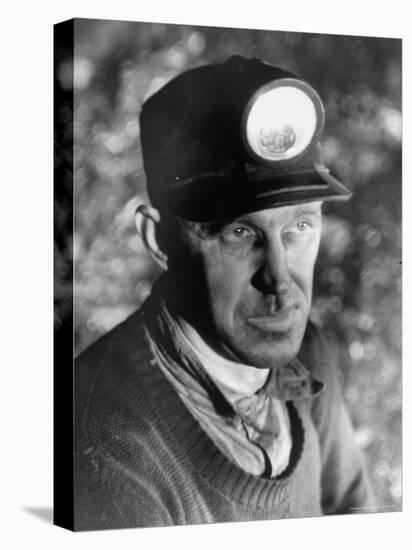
[272, 275]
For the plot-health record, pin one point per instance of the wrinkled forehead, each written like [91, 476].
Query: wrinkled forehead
[281, 214]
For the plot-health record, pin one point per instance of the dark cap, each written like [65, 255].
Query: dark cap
[235, 137]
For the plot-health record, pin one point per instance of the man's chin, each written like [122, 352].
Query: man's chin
[269, 353]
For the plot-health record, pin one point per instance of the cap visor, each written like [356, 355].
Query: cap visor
[213, 199]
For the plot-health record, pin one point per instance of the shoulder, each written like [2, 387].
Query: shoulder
[107, 390]
[115, 339]
[114, 424]
[122, 449]
[110, 353]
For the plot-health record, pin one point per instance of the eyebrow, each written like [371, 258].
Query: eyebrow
[212, 228]
[304, 210]
[307, 210]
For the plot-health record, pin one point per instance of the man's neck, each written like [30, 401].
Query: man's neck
[233, 376]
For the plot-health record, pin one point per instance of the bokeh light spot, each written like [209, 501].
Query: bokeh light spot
[117, 266]
[392, 122]
[382, 468]
[365, 321]
[114, 144]
[133, 128]
[356, 350]
[373, 237]
[335, 304]
[196, 43]
[83, 72]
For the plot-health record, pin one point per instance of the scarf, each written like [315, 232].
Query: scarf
[245, 415]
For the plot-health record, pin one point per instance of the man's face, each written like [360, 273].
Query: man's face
[246, 284]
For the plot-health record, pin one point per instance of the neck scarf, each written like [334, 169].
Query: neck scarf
[241, 408]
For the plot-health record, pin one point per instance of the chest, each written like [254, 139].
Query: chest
[201, 494]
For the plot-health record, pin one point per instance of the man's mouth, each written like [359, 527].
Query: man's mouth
[277, 321]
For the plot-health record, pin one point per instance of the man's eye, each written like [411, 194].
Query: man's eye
[302, 225]
[238, 233]
[241, 231]
[299, 228]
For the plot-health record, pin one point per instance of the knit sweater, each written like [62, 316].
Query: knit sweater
[143, 460]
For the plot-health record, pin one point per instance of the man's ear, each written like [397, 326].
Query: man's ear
[147, 221]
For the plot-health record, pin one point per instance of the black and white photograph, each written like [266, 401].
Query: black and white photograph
[228, 274]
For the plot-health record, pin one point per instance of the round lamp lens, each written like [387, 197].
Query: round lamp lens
[281, 123]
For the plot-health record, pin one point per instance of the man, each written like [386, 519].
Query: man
[218, 400]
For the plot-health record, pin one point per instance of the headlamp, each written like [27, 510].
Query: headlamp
[282, 121]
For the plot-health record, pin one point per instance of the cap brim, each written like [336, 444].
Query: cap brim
[212, 199]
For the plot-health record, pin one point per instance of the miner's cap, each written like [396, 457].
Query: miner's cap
[235, 137]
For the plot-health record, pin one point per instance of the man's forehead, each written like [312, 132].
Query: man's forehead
[280, 214]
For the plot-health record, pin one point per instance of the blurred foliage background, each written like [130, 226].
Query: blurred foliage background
[117, 65]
